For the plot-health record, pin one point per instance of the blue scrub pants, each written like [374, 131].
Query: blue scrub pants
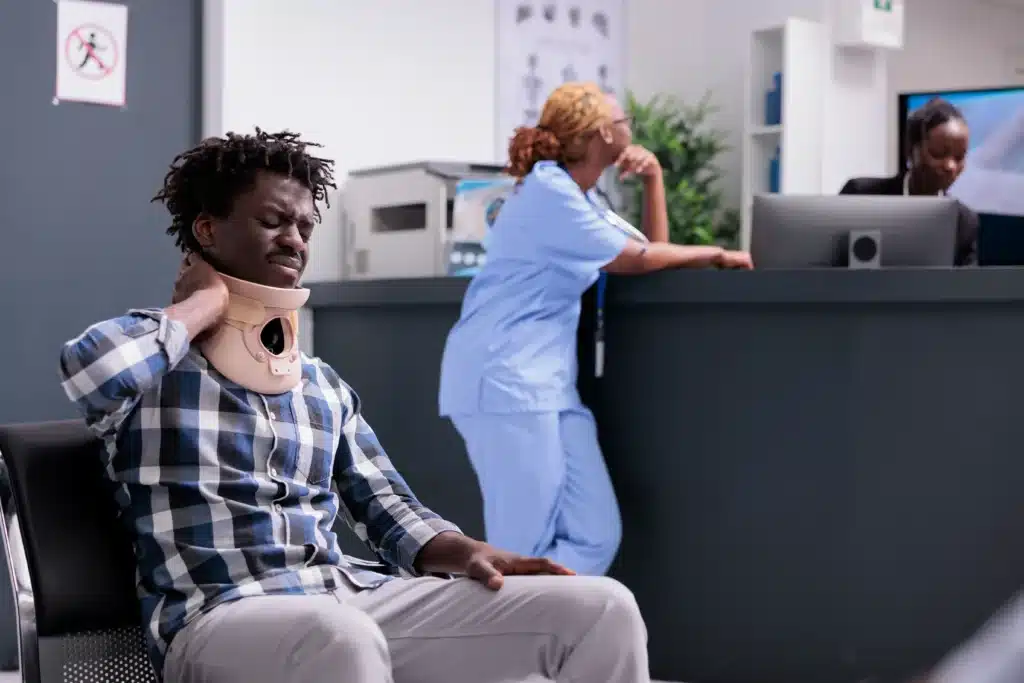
[545, 486]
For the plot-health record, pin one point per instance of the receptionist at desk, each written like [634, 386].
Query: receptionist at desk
[937, 141]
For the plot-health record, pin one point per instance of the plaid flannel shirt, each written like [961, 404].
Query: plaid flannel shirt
[229, 492]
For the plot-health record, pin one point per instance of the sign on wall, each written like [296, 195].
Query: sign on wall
[544, 43]
[869, 24]
[91, 42]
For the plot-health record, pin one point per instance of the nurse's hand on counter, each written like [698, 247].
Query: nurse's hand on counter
[636, 160]
[735, 260]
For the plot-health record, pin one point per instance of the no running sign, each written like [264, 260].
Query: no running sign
[91, 42]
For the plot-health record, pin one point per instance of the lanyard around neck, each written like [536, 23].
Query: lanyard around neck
[622, 225]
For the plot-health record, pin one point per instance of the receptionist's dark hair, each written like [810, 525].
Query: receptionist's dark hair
[934, 113]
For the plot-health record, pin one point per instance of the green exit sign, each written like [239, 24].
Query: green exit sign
[883, 5]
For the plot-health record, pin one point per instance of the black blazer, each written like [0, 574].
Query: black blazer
[967, 231]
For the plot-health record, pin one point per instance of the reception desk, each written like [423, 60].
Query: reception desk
[820, 472]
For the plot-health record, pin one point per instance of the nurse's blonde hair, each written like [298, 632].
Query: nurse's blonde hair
[572, 113]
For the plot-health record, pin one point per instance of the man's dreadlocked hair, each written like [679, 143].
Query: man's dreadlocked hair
[208, 178]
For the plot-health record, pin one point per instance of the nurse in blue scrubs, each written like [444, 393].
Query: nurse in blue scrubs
[508, 375]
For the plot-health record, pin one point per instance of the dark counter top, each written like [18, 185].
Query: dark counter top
[397, 292]
[839, 286]
[990, 285]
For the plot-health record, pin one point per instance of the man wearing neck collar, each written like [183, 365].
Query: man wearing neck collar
[233, 454]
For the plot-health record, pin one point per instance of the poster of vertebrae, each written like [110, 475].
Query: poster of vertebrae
[544, 43]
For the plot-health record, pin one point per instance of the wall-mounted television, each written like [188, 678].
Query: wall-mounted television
[993, 179]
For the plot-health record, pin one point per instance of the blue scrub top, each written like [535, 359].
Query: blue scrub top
[514, 346]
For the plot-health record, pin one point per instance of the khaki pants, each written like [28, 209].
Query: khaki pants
[424, 630]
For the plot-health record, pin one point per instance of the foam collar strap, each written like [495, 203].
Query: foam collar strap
[257, 344]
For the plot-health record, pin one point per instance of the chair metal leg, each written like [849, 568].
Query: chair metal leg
[29, 648]
[8, 621]
[22, 582]
[22, 607]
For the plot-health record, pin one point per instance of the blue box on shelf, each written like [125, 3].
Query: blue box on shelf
[770, 108]
[775, 172]
[773, 101]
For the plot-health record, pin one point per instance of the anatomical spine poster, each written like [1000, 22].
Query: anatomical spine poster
[544, 43]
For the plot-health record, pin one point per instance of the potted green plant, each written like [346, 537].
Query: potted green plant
[688, 148]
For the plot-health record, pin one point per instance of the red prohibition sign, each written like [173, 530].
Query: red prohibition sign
[91, 43]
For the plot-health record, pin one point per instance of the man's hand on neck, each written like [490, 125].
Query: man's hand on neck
[200, 297]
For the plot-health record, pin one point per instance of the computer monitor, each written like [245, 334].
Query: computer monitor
[794, 231]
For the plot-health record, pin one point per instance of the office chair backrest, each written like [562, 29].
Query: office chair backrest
[80, 558]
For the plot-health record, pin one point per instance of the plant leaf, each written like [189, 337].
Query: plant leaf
[688, 148]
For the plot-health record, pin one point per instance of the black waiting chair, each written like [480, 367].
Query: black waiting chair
[80, 559]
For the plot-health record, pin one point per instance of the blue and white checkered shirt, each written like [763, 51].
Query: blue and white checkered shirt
[229, 492]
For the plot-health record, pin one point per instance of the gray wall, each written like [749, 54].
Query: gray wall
[81, 240]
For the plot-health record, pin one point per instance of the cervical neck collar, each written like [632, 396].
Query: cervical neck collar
[257, 344]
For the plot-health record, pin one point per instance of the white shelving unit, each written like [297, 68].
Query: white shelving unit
[801, 51]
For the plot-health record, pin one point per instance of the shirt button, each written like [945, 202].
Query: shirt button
[277, 507]
[273, 415]
[273, 471]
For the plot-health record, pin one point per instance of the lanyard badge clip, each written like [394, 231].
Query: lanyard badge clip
[602, 284]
